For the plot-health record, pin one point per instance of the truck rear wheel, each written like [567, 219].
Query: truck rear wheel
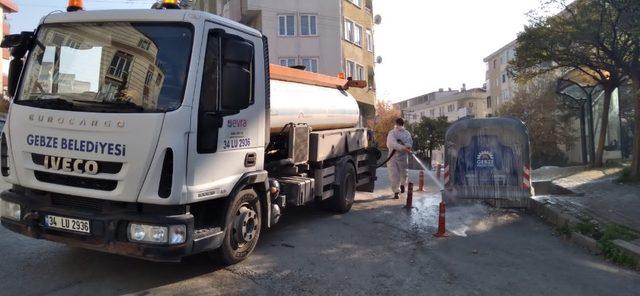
[345, 192]
[242, 227]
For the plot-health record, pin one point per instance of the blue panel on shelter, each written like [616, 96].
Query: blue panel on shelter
[487, 159]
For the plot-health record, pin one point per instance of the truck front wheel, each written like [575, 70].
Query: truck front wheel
[242, 227]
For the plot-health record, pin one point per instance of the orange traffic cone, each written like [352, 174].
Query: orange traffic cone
[442, 230]
[421, 181]
[409, 204]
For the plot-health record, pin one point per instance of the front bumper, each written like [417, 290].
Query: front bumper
[108, 223]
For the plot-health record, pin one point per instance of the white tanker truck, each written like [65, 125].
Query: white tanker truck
[159, 133]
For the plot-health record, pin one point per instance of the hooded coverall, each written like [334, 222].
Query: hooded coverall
[399, 163]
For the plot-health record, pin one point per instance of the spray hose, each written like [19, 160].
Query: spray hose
[393, 152]
[387, 160]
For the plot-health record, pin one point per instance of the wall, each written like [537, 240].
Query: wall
[497, 65]
[263, 15]
[359, 54]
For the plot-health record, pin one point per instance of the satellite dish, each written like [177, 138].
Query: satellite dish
[379, 60]
[377, 19]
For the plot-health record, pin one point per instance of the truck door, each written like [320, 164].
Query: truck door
[229, 112]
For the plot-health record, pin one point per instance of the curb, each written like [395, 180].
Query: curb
[552, 215]
[559, 219]
[630, 249]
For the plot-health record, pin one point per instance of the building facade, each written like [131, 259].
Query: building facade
[358, 51]
[501, 87]
[6, 6]
[330, 37]
[452, 104]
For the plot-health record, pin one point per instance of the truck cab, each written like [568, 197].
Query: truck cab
[147, 133]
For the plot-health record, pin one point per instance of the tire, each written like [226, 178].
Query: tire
[243, 213]
[345, 192]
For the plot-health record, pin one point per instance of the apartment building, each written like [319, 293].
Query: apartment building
[211, 6]
[6, 6]
[325, 36]
[453, 104]
[358, 59]
[501, 87]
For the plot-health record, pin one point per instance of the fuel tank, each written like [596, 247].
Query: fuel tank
[322, 108]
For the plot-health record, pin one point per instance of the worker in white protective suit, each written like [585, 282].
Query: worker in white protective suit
[398, 140]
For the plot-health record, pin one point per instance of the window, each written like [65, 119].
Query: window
[369, 40]
[359, 72]
[308, 25]
[144, 44]
[441, 111]
[432, 112]
[470, 104]
[356, 2]
[288, 62]
[73, 43]
[159, 79]
[149, 77]
[310, 64]
[495, 63]
[348, 30]
[488, 102]
[504, 78]
[350, 69]
[357, 35]
[286, 25]
[120, 65]
[451, 108]
[109, 90]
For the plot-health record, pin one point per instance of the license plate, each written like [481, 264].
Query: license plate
[70, 224]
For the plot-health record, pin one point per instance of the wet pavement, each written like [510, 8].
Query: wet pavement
[378, 248]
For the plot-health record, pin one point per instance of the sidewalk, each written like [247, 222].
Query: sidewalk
[578, 198]
[597, 194]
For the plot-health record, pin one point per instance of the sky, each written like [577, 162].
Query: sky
[424, 44]
[430, 44]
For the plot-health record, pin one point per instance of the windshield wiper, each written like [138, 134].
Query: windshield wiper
[111, 106]
[55, 103]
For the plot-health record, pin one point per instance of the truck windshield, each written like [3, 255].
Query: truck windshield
[108, 67]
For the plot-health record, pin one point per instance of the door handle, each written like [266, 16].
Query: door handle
[250, 159]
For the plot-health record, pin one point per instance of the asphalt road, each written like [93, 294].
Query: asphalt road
[377, 248]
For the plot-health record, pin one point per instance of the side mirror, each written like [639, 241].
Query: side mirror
[10, 41]
[237, 78]
[15, 70]
[19, 44]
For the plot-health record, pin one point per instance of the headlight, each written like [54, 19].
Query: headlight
[174, 234]
[10, 210]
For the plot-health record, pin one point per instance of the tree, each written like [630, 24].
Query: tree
[4, 105]
[547, 119]
[428, 135]
[628, 59]
[574, 40]
[385, 120]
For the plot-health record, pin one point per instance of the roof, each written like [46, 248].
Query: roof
[497, 52]
[9, 6]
